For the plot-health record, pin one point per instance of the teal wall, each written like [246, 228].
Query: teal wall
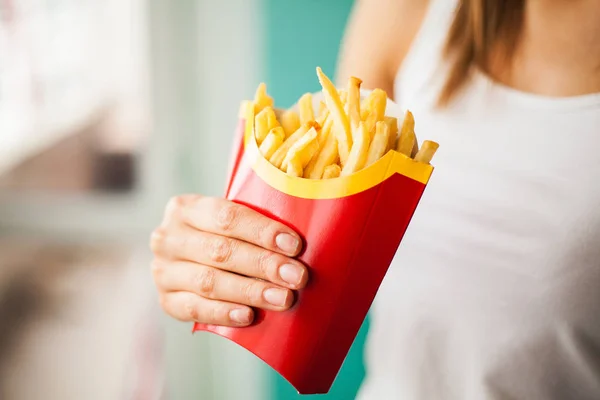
[301, 35]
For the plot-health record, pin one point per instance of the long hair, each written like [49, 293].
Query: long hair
[484, 32]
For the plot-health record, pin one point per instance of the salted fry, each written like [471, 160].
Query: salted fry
[322, 107]
[323, 118]
[272, 142]
[353, 101]
[277, 158]
[332, 171]
[426, 152]
[343, 96]
[359, 152]
[261, 98]
[324, 132]
[305, 107]
[326, 156]
[415, 149]
[263, 123]
[392, 124]
[407, 138]
[304, 149]
[336, 110]
[379, 143]
[294, 167]
[290, 121]
[376, 106]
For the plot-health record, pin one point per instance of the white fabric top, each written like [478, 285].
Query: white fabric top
[495, 290]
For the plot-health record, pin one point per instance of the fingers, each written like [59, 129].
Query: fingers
[215, 284]
[187, 306]
[231, 255]
[226, 218]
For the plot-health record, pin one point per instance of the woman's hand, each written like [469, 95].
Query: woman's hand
[209, 253]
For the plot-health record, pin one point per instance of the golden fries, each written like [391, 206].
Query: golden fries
[406, 140]
[305, 106]
[426, 152]
[392, 124]
[261, 98]
[343, 96]
[346, 135]
[280, 154]
[272, 142]
[326, 156]
[303, 149]
[294, 167]
[324, 132]
[336, 109]
[322, 108]
[332, 171]
[290, 121]
[376, 107]
[359, 152]
[353, 102]
[323, 118]
[264, 121]
[379, 143]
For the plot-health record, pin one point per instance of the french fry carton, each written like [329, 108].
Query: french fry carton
[351, 227]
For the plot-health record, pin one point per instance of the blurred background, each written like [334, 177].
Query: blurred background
[107, 109]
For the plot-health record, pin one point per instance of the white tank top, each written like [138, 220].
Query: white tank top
[494, 292]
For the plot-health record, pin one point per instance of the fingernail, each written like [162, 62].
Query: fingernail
[287, 242]
[276, 297]
[240, 315]
[292, 274]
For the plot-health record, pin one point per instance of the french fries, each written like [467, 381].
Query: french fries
[262, 99]
[340, 119]
[346, 135]
[377, 106]
[358, 155]
[303, 149]
[406, 140]
[294, 167]
[280, 154]
[392, 124]
[264, 121]
[272, 142]
[426, 152]
[326, 156]
[307, 114]
[353, 101]
[332, 171]
[324, 132]
[290, 121]
[379, 143]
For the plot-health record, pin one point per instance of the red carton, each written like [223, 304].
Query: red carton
[351, 227]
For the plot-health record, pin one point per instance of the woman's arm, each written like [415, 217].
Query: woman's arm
[378, 36]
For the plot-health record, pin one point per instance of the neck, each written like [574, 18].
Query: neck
[559, 49]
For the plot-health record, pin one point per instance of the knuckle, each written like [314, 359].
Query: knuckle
[205, 281]
[227, 216]
[251, 292]
[158, 239]
[220, 249]
[157, 267]
[192, 311]
[267, 235]
[266, 265]
[174, 206]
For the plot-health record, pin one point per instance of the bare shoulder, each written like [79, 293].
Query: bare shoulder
[378, 36]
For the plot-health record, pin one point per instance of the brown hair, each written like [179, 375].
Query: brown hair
[483, 32]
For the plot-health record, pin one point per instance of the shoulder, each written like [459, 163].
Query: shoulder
[378, 37]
